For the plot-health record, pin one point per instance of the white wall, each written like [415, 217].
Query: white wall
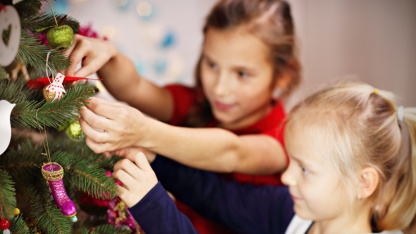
[372, 39]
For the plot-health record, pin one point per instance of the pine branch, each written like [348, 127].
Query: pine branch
[51, 114]
[18, 225]
[44, 20]
[28, 7]
[32, 53]
[3, 74]
[7, 194]
[44, 210]
[105, 229]
[87, 177]
[81, 174]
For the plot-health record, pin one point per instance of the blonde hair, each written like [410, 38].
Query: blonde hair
[361, 127]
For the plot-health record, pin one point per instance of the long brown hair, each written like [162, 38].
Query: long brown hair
[270, 21]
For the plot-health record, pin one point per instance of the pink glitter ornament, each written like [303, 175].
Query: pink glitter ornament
[54, 173]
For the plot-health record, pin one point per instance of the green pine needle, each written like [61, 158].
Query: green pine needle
[7, 194]
[34, 54]
[106, 229]
[18, 225]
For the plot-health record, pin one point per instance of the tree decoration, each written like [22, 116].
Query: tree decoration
[60, 37]
[54, 174]
[74, 131]
[42, 202]
[4, 223]
[5, 127]
[119, 215]
[54, 91]
[10, 20]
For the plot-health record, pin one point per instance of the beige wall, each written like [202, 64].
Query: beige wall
[374, 40]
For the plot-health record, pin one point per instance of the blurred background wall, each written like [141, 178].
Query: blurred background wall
[372, 40]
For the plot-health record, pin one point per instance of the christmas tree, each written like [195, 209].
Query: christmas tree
[46, 169]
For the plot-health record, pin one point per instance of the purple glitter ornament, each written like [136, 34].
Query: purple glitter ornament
[119, 216]
[53, 173]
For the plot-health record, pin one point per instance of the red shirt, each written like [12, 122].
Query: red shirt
[184, 98]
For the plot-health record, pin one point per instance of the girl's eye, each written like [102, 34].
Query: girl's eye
[212, 65]
[242, 74]
[304, 170]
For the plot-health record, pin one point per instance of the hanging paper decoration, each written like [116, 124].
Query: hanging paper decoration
[9, 19]
[54, 174]
[5, 127]
[54, 91]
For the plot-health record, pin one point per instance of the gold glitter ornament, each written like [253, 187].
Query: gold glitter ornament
[49, 96]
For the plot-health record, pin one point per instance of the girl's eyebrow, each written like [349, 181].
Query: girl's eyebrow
[204, 55]
[300, 160]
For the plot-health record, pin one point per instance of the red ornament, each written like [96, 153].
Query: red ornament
[4, 224]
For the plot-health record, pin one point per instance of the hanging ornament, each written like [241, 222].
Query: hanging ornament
[9, 19]
[16, 211]
[59, 37]
[54, 173]
[120, 216]
[74, 131]
[20, 67]
[5, 127]
[54, 91]
[4, 223]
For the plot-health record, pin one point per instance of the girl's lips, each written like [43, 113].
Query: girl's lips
[295, 198]
[223, 107]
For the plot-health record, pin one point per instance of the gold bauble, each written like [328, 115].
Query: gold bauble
[49, 96]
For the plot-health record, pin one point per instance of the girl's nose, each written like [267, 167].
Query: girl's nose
[288, 178]
[223, 85]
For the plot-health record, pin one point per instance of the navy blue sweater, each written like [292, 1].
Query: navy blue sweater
[244, 208]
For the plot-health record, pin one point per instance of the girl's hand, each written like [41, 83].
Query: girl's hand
[92, 52]
[150, 155]
[136, 179]
[110, 126]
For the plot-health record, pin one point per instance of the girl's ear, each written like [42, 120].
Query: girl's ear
[369, 179]
[281, 83]
[283, 80]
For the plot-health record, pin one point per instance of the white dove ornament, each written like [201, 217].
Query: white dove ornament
[5, 127]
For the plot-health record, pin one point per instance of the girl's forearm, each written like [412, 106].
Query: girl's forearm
[215, 149]
[119, 77]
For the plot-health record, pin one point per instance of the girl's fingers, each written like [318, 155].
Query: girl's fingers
[98, 147]
[139, 158]
[142, 162]
[91, 132]
[125, 178]
[104, 108]
[93, 120]
[76, 54]
[128, 167]
[122, 192]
